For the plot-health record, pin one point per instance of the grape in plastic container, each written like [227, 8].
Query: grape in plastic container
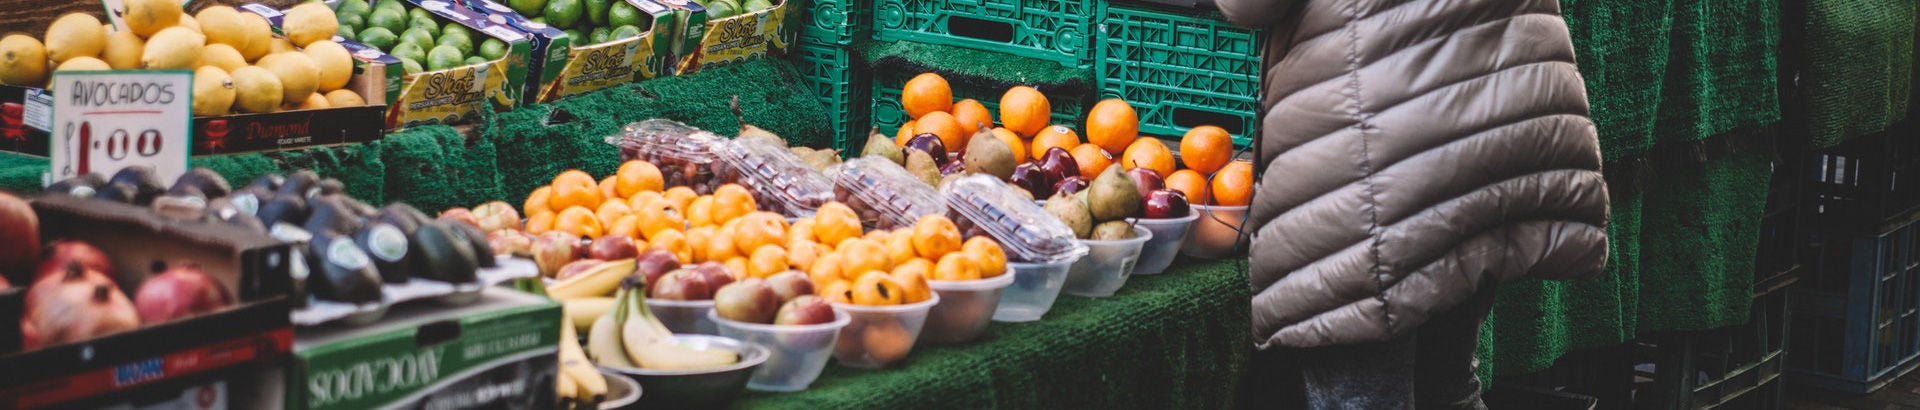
[983, 205]
[683, 154]
[779, 180]
[884, 194]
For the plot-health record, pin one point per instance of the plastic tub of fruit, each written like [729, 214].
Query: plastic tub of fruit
[1032, 291]
[880, 336]
[1169, 234]
[884, 194]
[983, 205]
[1217, 233]
[698, 388]
[684, 316]
[1107, 265]
[796, 353]
[966, 306]
[683, 154]
[779, 180]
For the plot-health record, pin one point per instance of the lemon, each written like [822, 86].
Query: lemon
[297, 73]
[259, 35]
[123, 50]
[75, 35]
[23, 61]
[212, 91]
[313, 102]
[344, 98]
[256, 90]
[190, 23]
[83, 64]
[309, 22]
[224, 25]
[148, 17]
[223, 56]
[280, 45]
[174, 47]
[335, 63]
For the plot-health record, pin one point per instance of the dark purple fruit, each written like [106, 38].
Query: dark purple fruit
[1070, 185]
[1166, 204]
[931, 145]
[1058, 165]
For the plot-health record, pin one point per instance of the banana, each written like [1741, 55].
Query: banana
[592, 386]
[603, 342]
[651, 345]
[599, 280]
[566, 389]
[582, 312]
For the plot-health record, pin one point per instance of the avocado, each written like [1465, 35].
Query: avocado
[359, 207]
[289, 209]
[328, 213]
[224, 210]
[303, 183]
[344, 272]
[210, 183]
[332, 186]
[449, 258]
[83, 186]
[248, 199]
[392, 252]
[269, 182]
[146, 185]
[118, 192]
[482, 250]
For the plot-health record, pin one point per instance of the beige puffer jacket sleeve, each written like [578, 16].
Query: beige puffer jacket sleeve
[1409, 151]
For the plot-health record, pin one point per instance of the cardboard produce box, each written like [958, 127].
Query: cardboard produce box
[575, 65]
[751, 35]
[156, 357]
[499, 352]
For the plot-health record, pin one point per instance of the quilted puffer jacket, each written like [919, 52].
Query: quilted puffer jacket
[1411, 150]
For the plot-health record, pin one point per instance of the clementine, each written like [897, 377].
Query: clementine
[637, 176]
[658, 216]
[800, 231]
[737, 267]
[1025, 110]
[802, 255]
[861, 255]
[1092, 160]
[913, 285]
[987, 255]
[720, 247]
[1190, 182]
[972, 115]
[540, 223]
[1148, 153]
[1206, 148]
[537, 202]
[681, 196]
[840, 291]
[1055, 136]
[905, 134]
[943, 125]
[1112, 125]
[628, 226]
[759, 229]
[766, 261]
[700, 212]
[607, 189]
[642, 198]
[698, 239]
[926, 93]
[877, 288]
[935, 236]
[955, 267]
[1233, 185]
[673, 241]
[731, 201]
[826, 270]
[611, 211]
[577, 221]
[835, 222]
[900, 248]
[574, 188]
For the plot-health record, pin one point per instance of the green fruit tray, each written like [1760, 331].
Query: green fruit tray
[460, 86]
[1061, 31]
[829, 72]
[837, 22]
[1180, 70]
[888, 114]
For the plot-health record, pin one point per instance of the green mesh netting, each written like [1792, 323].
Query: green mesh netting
[1534, 322]
[1178, 340]
[1860, 67]
[1701, 228]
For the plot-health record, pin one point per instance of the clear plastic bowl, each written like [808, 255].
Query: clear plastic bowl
[1168, 236]
[1035, 286]
[1217, 233]
[1107, 265]
[880, 335]
[684, 316]
[966, 306]
[797, 353]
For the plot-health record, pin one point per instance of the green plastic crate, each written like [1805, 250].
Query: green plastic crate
[829, 72]
[836, 22]
[1055, 30]
[1180, 70]
[1068, 110]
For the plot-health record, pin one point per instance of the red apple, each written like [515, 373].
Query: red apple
[510, 242]
[1166, 204]
[576, 268]
[790, 284]
[553, 250]
[613, 247]
[1146, 179]
[181, 291]
[749, 300]
[19, 237]
[656, 262]
[1057, 164]
[461, 215]
[1070, 185]
[1028, 176]
[65, 252]
[804, 310]
[496, 216]
[714, 273]
[930, 144]
[680, 285]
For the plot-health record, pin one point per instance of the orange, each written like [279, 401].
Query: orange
[905, 134]
[935, 236]
[1206, 148]
[698, 239]
[628, 226]
[943, 125]
[877, 288]
[838, 292]
[1054, 136]
[731, 201]
[900, 248]
[860, 255]
[537, 202]
[915, 267]
[700, 213]
[1148, 153]
[637, 176]
[611, 211]
[972, 115]
[681, 196]
[673, 241]
[607, 189]
[986, 255]
[913, 284]
[540, 223]
[1112, 125]
[1025, 110]
[574, 188]
[802, 255]
[1013, 141]
[759, 229]
[737, 267]
[835, 222]
[877, 236]
[1092, 160]
[926, 93]
[956, 267]
[801, 231]
[1189, 182]
[577, 221]
[825, 270]
[721, 248]
[1233, 185]
[660, 216]
[766, 261]
[642, 198]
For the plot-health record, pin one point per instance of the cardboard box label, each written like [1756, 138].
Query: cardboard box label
[452, 95]
[486, 355]
[598, 67]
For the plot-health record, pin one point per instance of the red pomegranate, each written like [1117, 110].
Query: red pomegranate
[77, 305]
[181, 291]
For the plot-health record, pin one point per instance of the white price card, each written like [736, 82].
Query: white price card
[107, 120]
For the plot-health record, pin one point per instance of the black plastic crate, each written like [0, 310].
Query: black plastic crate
[1735, 367]
[1855, 322]
[1864, 185]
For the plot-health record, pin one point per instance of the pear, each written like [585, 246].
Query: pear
[1113, 196]
[883, 146]
[820, 160]
[1071, 212]
[800, 151]
[987, 154]
[1113, 231]
[921, 165]
[751, 132]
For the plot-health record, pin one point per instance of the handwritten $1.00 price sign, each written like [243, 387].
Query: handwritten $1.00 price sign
[107, 120]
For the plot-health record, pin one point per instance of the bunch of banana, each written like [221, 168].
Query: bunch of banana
[631, 336]
[600, 280]
[580, 384]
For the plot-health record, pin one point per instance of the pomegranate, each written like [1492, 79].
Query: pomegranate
[67, 252]
[78, 304]
[180, 292]
[19, 237]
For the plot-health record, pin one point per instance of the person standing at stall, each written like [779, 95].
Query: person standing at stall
[1412, 155]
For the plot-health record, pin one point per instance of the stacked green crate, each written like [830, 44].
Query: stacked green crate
[836, 78]
[1056, 30]
[1180, 69]
[836, 22]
